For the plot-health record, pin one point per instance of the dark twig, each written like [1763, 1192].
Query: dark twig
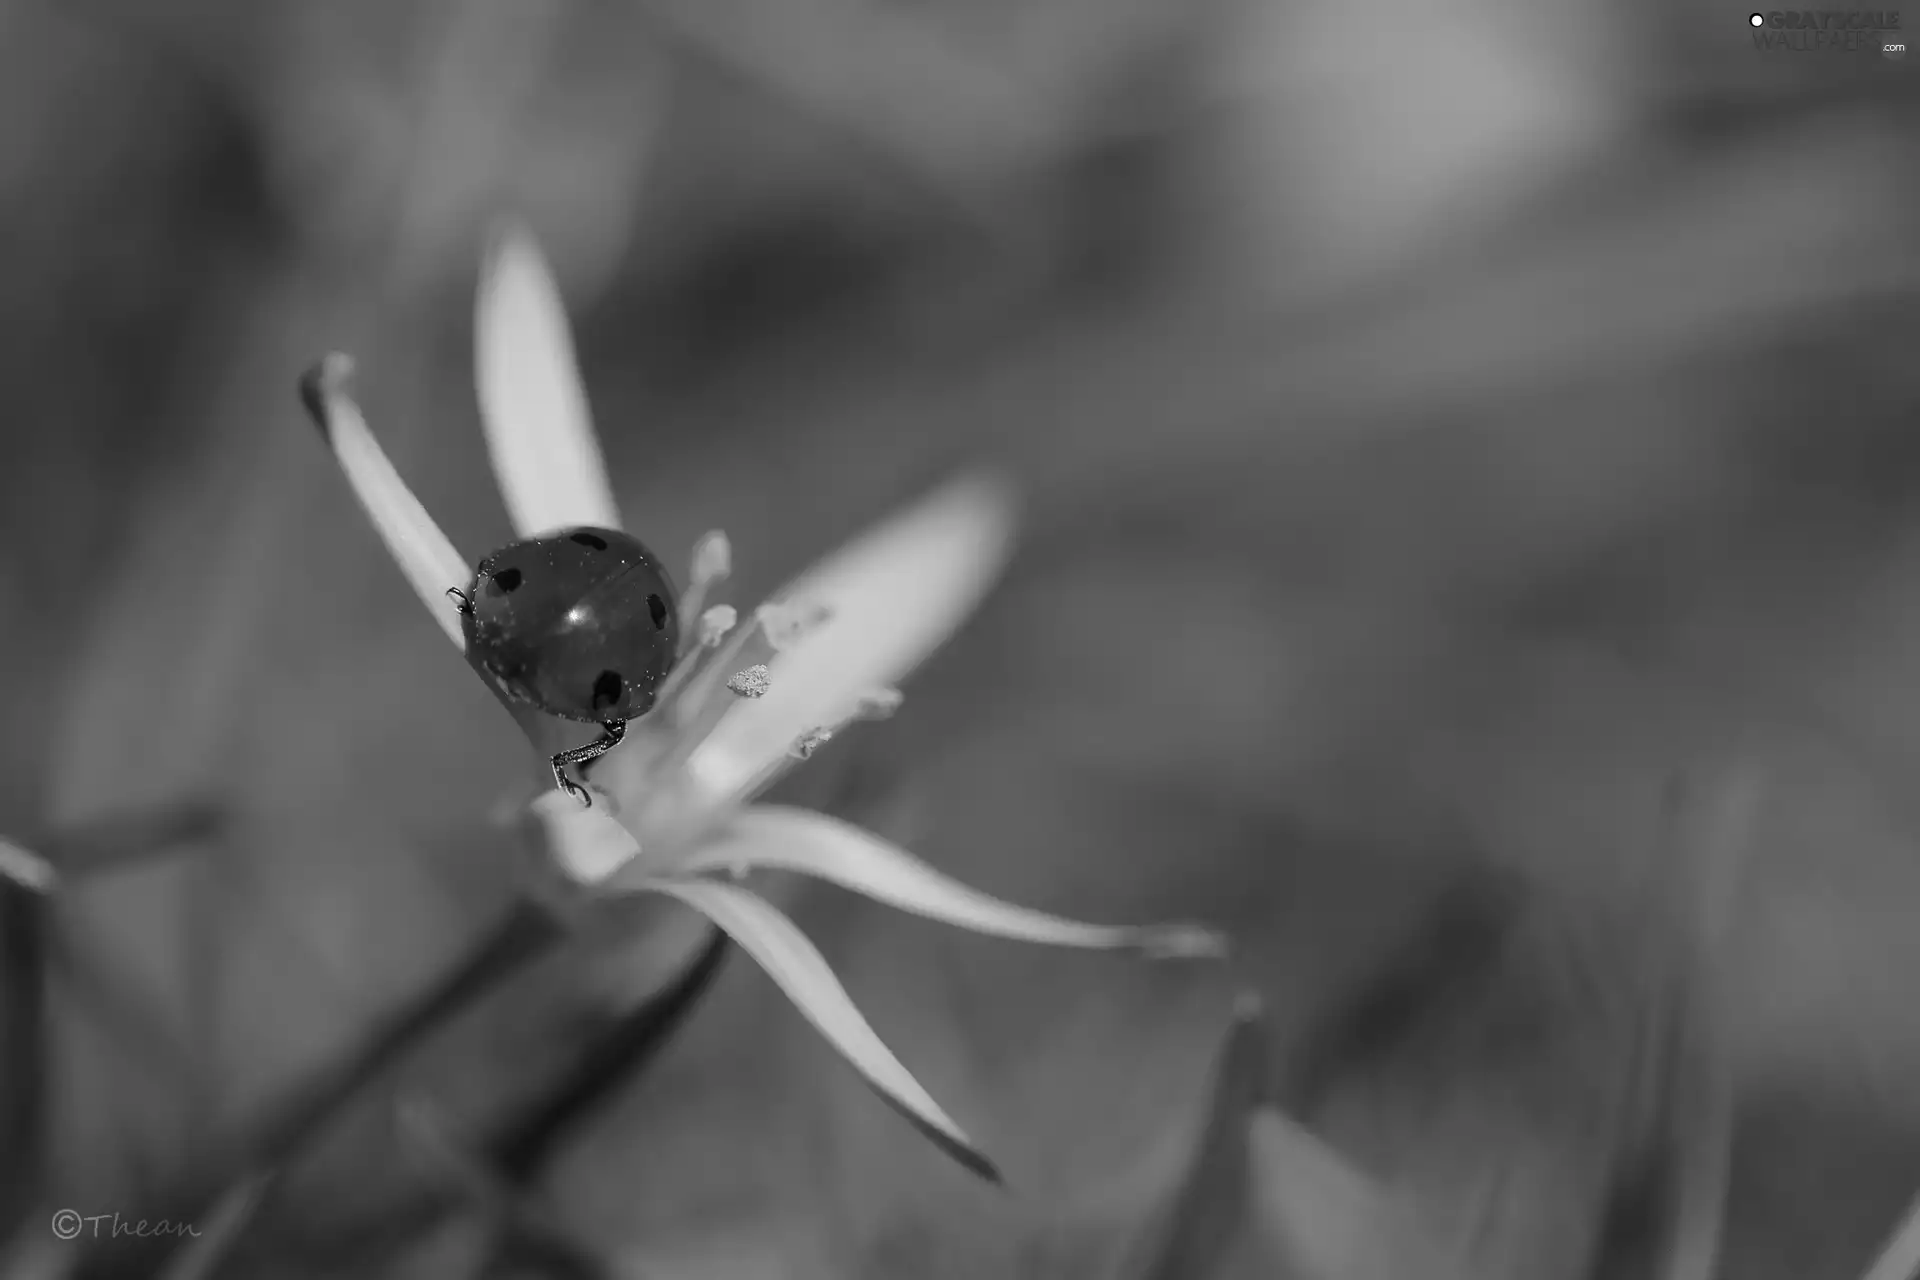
[522, 1145]
[525, 934]
[519, 1148]
[22, 1051]
[526, 1234]
[528, 932]
[511, 1161]
[71, 854]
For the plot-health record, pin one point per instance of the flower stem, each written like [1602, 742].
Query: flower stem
[522, 1145]
[76, 852]
[23, 1066]
[523, 935]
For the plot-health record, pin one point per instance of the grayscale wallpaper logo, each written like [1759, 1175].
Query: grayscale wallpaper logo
[1857, 31]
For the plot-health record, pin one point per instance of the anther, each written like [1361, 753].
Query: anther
[712, 562]
[712, 559]
[809, 742]
[715, 623]
[751, 683]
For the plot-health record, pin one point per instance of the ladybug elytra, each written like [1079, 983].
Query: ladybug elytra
[581, 623]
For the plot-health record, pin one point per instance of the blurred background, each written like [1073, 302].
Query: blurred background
[1448, 433]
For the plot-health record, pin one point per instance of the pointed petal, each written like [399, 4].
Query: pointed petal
[1216, 1177]
[423, 553]
[894, 595]
[26, 868]
[799, 970]
[811, 843]
[533, 405]
[587, 844]
[1900, 1257]
[1323, 1216]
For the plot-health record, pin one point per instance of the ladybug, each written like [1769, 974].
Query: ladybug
[581, 623]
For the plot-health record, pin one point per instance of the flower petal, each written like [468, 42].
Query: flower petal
[25, 867]
[587, 844]
[893, 596]
[1900, 1257]
[799, 969]
[533, 406]
[423, 553]
[800, 840]
[1217, 1171]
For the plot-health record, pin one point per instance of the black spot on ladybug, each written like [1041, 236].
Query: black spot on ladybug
[658, 609]
[504, 581]
[593, 540]
[607, 690]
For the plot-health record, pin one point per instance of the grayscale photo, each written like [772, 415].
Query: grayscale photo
[939, 640]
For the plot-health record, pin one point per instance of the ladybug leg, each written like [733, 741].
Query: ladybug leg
[462, 601]
[612, 732]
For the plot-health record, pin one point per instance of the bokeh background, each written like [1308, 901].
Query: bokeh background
[1441, 428]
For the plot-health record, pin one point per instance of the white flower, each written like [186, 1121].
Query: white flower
[747, 699]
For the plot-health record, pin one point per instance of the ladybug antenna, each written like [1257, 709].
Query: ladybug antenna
[462, 600]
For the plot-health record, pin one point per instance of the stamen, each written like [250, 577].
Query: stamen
[751, 683]
[712, 668]
[715, 623]
[712, 563]
[875, 704]
[690, 701]
[712, 559]
[702, 697]
[810, 742]
[698, 659]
